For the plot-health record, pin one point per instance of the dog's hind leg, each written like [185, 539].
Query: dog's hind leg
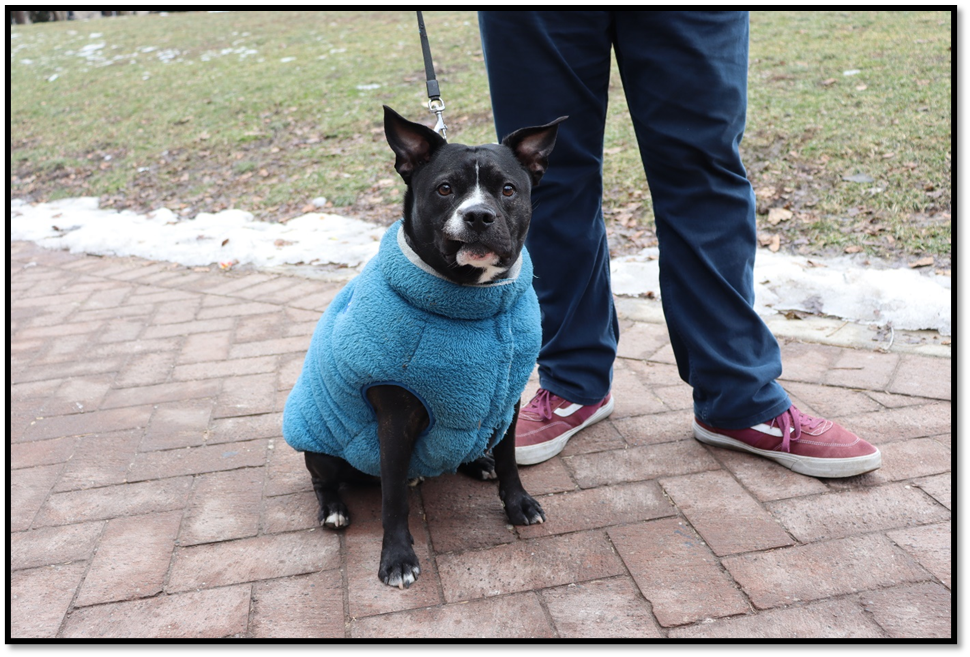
[482, 468]
[327, 473]
[401, 417]
[520, 507]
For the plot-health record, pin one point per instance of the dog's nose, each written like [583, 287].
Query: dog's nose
[478, 217]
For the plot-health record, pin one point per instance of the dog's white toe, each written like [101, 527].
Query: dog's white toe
[336, 520]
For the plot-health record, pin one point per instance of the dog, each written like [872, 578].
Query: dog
[417, 366]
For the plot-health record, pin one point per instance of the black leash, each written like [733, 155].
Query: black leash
[435, 104]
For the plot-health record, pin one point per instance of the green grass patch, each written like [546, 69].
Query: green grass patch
[266, 111]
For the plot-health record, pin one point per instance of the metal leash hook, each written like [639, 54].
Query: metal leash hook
[435, 104]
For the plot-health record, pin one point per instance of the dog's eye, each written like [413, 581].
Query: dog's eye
[508, 190]
[444, 189]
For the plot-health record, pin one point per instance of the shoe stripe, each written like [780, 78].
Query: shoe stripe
[569, 410]
[764, 428]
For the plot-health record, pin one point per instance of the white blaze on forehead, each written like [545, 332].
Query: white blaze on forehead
[455, 225]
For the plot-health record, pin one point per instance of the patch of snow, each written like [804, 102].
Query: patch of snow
[907, 298]
[80, 226]
[878, 294]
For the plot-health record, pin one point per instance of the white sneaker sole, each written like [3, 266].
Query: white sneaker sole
[806, 465]
[532, 454]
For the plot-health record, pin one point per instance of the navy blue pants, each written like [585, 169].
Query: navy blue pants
[685, 78]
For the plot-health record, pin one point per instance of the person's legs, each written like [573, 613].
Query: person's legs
[685, 77]
[542, 65]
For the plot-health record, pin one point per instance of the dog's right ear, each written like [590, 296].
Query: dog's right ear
[412, 143]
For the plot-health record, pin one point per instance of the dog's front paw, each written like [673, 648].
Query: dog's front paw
[482, 468]
[522, 509]
[334, 514]
[399, 567]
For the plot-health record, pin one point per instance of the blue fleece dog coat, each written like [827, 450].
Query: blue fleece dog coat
[466, 351]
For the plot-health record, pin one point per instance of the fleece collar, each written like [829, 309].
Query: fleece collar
[424, 288]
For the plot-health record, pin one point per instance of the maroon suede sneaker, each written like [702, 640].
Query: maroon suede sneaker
[808, 445]
[548, 422]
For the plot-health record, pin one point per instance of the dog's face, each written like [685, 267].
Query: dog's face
[467, 208]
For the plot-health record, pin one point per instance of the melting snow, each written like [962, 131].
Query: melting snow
[906, 298]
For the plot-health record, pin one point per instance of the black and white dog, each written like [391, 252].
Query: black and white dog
[466, 214]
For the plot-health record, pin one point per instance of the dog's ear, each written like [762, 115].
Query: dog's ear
[532, 147]
[412, 143]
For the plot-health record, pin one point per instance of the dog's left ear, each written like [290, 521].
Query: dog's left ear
[532, 147]
[413, 143]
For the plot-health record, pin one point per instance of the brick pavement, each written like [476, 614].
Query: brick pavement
[152, 495]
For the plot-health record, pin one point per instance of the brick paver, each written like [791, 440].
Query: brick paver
[152, 494]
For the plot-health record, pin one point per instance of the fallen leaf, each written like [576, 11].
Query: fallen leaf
[777, 215]
[772, 242]
[225, 241]
[281, 243]
[922, 262]
[861, 87]
[829, 82]
[854, 248]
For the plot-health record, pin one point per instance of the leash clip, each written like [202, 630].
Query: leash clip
[437, 107]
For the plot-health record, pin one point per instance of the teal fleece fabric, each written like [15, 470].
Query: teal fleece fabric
[465, 350]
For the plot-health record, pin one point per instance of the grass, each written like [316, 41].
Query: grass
[267, 111]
